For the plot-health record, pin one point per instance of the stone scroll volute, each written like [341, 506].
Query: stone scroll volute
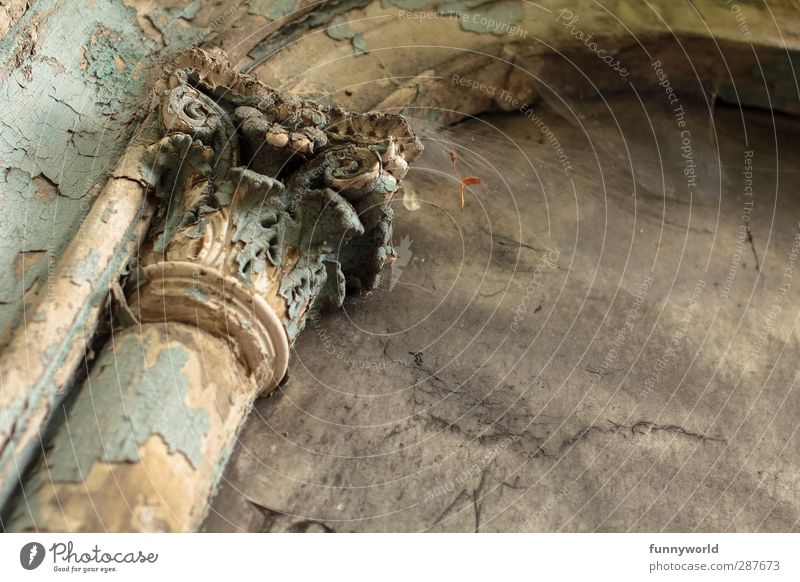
[269, 207]
[265, 208]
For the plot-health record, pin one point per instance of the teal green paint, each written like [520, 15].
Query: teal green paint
[408, 4]
[67, 108]
[359, 44]
[18, 180]
[332, 294]
[440, 6]
[481, 16]
[50, 353]
[458, 6]
[261, 222]
[300, 287]
[122, 405]
[340, 29]
[166, 20]
[272, 9]
[67, 117]
[325, 220]
[9, 414]
[177, 157]
[197, 294]
[111, 57]
[192, 10]
[43, 393]
[88, 269]
[495, 19]
[292, 29]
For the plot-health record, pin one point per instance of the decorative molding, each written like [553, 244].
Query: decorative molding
[263, 189]
[266, 208]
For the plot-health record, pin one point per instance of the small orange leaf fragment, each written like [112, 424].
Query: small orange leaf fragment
[468, 181]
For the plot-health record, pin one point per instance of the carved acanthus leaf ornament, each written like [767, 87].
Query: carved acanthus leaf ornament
[270, 207]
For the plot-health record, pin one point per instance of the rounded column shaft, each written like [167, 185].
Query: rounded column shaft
[145, 442]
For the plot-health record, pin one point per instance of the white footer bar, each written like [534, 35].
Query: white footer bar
[378, 557]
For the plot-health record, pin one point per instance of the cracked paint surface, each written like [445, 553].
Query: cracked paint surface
[128, 401]
[494, 18]
[69, 78]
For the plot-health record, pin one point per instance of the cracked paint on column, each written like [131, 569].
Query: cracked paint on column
[128, 402]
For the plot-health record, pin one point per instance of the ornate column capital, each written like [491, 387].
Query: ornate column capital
[269, 207]
[266, 207]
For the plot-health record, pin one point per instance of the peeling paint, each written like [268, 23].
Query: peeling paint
[359, 44]
[272, 9]
[111, 59]
[88, 269]
[66, 119]
[8, 414]
[440, 5]
[45, 393]
[288, 32]
[45, 189]
[129, 402]
[481, 16]
[407, 4]
[165, 19]
[197, 294]
[286, 233]
[340, 29]
[495, 19]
